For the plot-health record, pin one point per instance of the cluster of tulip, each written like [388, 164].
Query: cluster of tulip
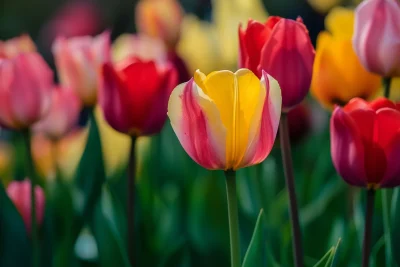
[224, 120]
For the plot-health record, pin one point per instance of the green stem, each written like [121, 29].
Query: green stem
[368, 227]
[387, 228]
[30, 172]
[233, 217]
[289, 176]
[131, 203]
[386, 83]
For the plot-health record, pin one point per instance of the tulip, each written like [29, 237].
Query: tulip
[75, 18]
[63, 114]
[20, 194]
[226, 120]
[365, 143]
[282, 48]
[78, 62]
[134, 95]
[17, 45]
[338, 75]
[141, 46]
[161, 19]
[376, 37]
[26, 82]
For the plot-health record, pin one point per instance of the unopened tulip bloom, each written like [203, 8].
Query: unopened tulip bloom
[161, 19]
[282, 48]
[63, 114]
[134, 95]
[226, 120]
[141, 46]
[20, 194]
[78, 62]
[338, 75]
[26, 83]
[365, 143]
[12, 47]
[376, 37]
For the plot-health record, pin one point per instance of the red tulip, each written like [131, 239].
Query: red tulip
[26, 82]
[282, 48]
[376, 37]
[63, 114]
[20, 194]
[134, 95]
[365, 143]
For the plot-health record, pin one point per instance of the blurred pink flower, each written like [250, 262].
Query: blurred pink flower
[78, 61]
[376, 37]
[77, 18]
[63, 114]
[26, 82]
[20, 194]
[12, 47]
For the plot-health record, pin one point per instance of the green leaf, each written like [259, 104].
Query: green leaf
[108, 232]
[254, 254]
[330, 258]
[89, 178]
[14, 241]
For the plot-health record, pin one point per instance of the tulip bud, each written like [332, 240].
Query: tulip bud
[141, 46]
[20, 194]
[282, 48]
[26, 81]
[63, 114]
[161, 19]
[376, 37]
[365, 143]
[16, 45]
[78, 62]
[134, 95]
[226, 120]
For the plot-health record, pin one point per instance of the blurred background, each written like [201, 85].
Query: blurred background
[181, 208]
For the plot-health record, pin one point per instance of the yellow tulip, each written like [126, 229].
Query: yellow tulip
[338, 75]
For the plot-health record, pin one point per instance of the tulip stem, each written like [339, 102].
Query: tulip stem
[30, 172]
[368, 227]
[386, 83]
[289, 176]
[233, 217]
[131, 203]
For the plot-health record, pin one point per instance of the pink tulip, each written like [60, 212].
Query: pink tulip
[78, 62]
[376, 37]
[15, 46]
[25, 86]
[20, 194]
[63, 114]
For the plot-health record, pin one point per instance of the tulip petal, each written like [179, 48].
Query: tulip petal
[6, 77]
[337, 22]
[347, 149]
[261, 144]
[196, 122]
[288, 56]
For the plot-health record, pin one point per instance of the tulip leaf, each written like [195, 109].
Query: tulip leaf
[254, 254]
[108, 232]
[14, 240]
[395, 220]
[90, 176]
[330, 258]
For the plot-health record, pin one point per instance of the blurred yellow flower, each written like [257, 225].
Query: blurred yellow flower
[209, 46]
[338, 75]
